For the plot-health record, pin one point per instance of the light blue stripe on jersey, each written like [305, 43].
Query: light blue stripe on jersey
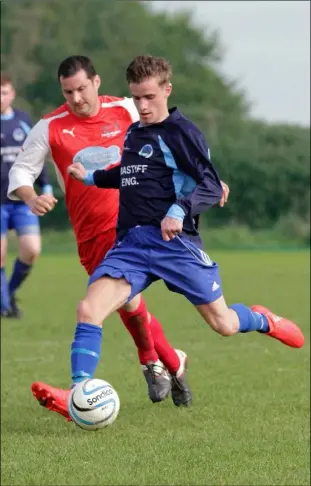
[25, 126]
[183, 183]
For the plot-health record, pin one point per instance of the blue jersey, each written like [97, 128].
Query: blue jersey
[165, 169]
[14, 130]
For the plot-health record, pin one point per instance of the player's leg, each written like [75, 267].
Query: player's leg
[145, 329]
[239, 318]
[27, 228]
[203, 289]
[103, 297]
[159, 261]
[5, 298]
[134, 314]
[138, 320]
[125, 261]
[135, 317]
[118, 277]
[148, 335]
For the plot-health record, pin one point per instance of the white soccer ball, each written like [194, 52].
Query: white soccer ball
[93, 404]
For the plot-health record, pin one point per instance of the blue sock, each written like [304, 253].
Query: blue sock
[5, 298]
[250, 320]
[20, 272]
[85, 351]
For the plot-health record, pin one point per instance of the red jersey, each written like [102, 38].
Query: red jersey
[97, 141]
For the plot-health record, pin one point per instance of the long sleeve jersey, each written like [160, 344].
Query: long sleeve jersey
[14, 130]
[165, 169]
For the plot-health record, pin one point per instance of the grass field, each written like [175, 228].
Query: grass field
[249, 424]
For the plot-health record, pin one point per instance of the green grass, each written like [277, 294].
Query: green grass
[249, 423]
[228, 238]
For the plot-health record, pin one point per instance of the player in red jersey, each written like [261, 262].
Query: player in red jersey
[90, 129]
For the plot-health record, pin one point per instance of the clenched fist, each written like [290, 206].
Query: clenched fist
[77, 171]
[41, 205]
[170, 228]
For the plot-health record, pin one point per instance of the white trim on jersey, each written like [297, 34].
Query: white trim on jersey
[30, 160]
[126, 103]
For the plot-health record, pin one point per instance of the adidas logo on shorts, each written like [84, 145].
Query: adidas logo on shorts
[215, 286]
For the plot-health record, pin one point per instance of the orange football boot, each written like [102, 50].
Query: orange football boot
[280, 328]
[54, 399]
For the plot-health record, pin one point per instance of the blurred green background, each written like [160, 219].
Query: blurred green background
[267, 165]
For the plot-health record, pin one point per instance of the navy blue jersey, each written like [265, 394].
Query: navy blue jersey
[14, 130]
[165, 169]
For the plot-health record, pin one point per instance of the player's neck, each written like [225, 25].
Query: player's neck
[7, 112]
[96, 108]
[160, 119]
[94, 111]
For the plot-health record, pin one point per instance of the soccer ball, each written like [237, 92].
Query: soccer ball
[93, 404]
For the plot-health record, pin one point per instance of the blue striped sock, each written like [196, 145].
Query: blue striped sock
[250, 320]
[85, 351]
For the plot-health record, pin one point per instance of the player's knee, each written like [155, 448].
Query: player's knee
[225, 330]
[134, 303]
[33, 254]
[85, 312]
[29, 248]
[223, 326]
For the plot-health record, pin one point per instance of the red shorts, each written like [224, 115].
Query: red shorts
[91, 252]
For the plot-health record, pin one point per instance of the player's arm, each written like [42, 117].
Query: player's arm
[110, 178]
[193, 158]
[27, 168]
[44, 183]
[103, 178]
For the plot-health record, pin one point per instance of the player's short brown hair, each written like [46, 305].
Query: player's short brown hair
[5, 79]
[143, 67]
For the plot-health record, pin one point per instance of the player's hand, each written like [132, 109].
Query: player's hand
[77, 171]
[170, 228]
[41, 205]
[225, 194]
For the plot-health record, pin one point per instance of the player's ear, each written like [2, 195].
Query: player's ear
[97, 81]
[168, 89]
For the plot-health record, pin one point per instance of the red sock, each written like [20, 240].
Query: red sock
[166, 353]
[137, 324]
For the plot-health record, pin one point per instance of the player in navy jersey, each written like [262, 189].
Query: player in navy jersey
[16, 215]
[166, 180]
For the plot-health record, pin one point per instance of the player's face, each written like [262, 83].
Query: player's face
[7, 97]
[81, 93]
[150, 98]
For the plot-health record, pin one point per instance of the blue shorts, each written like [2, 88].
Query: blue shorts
[18, 216]
[142, 257]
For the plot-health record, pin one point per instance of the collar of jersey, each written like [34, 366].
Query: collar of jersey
[174, 114]
[85, 119]
[10, 116]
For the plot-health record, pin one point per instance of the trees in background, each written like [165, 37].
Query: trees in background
[267, 166]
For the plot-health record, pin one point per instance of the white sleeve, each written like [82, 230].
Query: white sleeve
[30, 160]
[131, 108]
